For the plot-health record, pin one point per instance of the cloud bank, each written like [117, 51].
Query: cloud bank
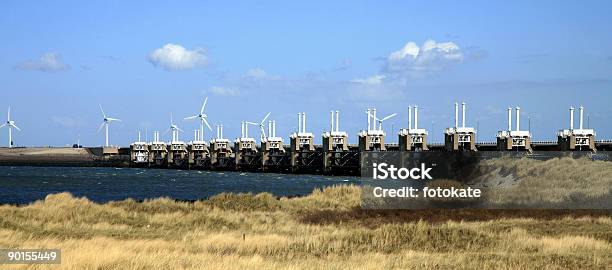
[372, 80]
[49, 62]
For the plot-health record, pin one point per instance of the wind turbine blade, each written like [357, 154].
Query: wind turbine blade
[203, 105]
[171, 121]
[3, 125]
[389, 116]
[101, 126]
[265, 118]
[113, 119]
[103, 114]
[263, 132]
[251, 123]
[13, 125]
[177, 128]
[206, 122]
[8, 116]
[165, 133]
[191, 117]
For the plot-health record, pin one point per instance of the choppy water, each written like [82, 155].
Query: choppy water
[20, 185]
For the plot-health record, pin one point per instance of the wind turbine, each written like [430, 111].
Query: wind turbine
[261, 126]
[380, 121]
[202, 116]
[10, 124]
[105, 123]
[174, 128]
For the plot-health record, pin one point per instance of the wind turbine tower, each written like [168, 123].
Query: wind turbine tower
[203, 121]
[105, 123]
[10, 125]
[198, 149]
[261, 125]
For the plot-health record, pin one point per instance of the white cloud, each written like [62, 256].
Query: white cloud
[431, 56]
[409, 50]
[223, 91]
[414, 61]
[49, 62]
[373, 80]
[176, 57]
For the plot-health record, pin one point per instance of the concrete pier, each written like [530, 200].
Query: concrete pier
[517, 139]
[221, 153]
[304, 157]
[460, 138]
[581, 139]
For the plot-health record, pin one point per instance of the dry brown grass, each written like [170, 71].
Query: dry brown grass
[325, 230]
[554, 183]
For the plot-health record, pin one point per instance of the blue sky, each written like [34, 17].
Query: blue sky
[143, 60]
